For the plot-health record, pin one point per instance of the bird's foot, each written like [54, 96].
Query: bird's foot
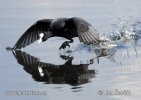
[64, 45]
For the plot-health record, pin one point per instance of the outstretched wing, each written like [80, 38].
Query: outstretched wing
[33, 66]
[28, 60]
[86, 33]
[32, 34]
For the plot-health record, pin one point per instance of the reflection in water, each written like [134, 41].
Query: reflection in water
[67, 73]
[55, 74]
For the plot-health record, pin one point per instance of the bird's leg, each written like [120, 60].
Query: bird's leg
[65, 44]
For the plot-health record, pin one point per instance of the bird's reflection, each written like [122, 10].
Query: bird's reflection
[67, 73]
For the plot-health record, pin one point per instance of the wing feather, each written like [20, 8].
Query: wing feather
[32, 34]
[86, 33]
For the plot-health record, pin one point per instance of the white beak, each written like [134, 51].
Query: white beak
[40, 37]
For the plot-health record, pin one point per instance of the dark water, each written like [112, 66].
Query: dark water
[44, 72]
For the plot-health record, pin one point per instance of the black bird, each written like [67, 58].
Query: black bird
[62, 27]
